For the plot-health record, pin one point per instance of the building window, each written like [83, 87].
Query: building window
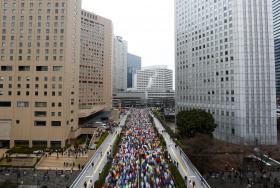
[42, 68]
[22, 143]
[56, 123]
[6, 68]
[40, 123]
[57, 68]
[24, 68]
[41, 104]
[39, 143]
[22, 104]
[55, 144]
[5, 104]
[40, 113]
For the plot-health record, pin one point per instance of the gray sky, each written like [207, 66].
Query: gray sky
[147, 25]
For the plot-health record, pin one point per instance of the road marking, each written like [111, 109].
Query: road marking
[185, 170]
[102, 158]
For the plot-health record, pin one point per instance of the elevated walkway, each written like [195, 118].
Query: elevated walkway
[185, 166]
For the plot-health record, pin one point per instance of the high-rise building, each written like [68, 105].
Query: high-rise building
[39, 75]
[225, 65]
[157, 78]
[276, 23]
[96, 62]
[133, 64]
[119, 72]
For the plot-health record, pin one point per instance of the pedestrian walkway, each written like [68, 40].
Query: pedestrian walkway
[187, 170]
[140, 161]
[91, 171]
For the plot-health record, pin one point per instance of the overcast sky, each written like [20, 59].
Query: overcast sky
[147, 25]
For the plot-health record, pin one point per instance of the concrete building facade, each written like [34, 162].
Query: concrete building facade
[158, 78]
[225, 65]
[276, 24]
[119, 72]
[133, 64]
[39, 77]
[162, 99]
[96, 62]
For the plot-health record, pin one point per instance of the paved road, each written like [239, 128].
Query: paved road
[184, 168]
[99, 159]
[37, 178]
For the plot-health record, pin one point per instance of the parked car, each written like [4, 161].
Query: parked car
[38, 152]
[92, 147]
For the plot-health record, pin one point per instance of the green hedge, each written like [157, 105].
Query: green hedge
[101, 139]
[25, 150]
[102, 177]
[28, 150]
[178, 179]
[103, 174]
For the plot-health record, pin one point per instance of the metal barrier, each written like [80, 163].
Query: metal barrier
[194, 169]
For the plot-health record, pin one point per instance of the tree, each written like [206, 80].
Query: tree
[195, 121]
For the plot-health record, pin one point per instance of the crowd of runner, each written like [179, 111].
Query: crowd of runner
[140, 160]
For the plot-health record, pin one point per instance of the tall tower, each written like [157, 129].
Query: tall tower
[119, 64]
[225, 65]
[133, 64]
[39, 75]
[276, 24]
[96, 62]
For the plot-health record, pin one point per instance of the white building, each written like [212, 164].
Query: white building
[158, 78]
[119, 71]
[225, 65]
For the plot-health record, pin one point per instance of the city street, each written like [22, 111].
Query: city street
[31, 177]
